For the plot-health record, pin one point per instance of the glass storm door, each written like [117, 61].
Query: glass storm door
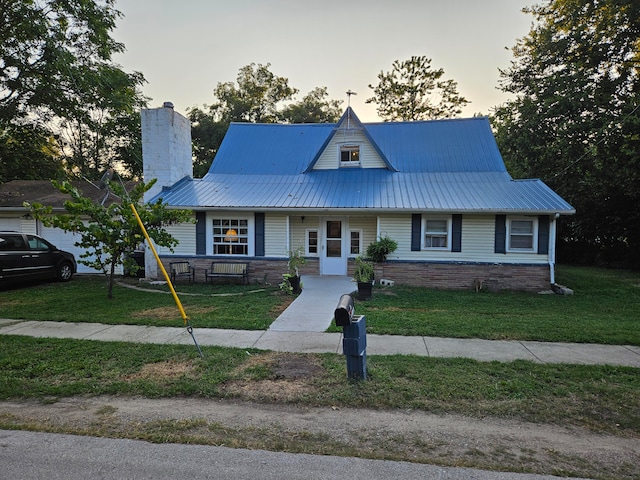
[333, 255]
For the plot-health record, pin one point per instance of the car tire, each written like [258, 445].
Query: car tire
[65, 272]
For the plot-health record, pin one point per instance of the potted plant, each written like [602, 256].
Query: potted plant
[378, 251]
[364, 276]
[292, 283]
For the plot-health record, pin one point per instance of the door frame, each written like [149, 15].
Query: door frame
[334, 265]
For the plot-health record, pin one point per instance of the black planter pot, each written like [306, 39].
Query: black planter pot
[295, 284]
[365, 290]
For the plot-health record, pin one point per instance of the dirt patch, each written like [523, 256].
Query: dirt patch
[274, 377]
[162, 369]
[168, 313]
[486, 443]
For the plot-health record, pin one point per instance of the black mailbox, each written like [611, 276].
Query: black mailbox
[344, 311]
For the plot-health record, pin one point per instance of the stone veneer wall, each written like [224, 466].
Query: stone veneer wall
[460, 276]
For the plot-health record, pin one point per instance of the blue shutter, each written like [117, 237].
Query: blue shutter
[201, 233]
[456, 233]
[501, 234]
[416, 232]
[543, 235]
[259, 225]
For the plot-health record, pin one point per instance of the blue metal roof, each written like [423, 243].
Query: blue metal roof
[440, 165]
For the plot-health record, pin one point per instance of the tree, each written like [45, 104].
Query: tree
[28, 153]
[57, 75]
[110, 233]
[412, 90]
[574, 121]
[314, 107]
[258, 97]
[207, 134]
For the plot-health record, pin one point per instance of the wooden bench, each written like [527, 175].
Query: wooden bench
[228, 269]
[182, 269]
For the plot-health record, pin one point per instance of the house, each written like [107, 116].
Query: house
[14, 216]
[439, 188]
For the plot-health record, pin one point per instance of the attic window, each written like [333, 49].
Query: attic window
[349, 155]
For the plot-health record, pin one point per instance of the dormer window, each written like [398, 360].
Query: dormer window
[349, 155]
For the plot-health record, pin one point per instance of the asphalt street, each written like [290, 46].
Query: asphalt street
[46, 456]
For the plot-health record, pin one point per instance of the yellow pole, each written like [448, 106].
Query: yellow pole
[164, 271]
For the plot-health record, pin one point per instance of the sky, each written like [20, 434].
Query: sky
[185, 48]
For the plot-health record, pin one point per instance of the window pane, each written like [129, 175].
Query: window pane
[350, 154]
[334, 248]
[334, 229]
[313, 241]
[436, 241]
[436, 226]
[230, 236]
[521, 227]
[522, 241]
[355, 243]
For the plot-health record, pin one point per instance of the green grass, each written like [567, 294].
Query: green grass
[605, 308]
[84, 299]
[602, 398]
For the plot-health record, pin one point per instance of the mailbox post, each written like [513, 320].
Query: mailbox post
[354, 338]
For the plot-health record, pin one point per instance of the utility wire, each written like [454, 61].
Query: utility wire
[565, 169]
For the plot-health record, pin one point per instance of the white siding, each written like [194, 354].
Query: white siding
[185, 233]
[299, 229]
[275, 235]
[478, 238]
[330, 158]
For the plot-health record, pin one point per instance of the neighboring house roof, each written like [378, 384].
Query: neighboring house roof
[14, 193]
[439, 165]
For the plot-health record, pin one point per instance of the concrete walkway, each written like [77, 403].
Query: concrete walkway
[301, 327]
[313, 310]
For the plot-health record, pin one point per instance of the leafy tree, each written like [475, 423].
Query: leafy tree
[258, 97]
[207, 134]
[314, 107]
[412, 90]
[575, 120]
[57, 75]
[109, 233]
[27, 153]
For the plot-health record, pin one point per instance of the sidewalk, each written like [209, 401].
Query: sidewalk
[301, 328]
[318, 342]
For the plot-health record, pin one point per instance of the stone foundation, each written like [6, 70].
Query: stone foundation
[493, 277]
[446, 276]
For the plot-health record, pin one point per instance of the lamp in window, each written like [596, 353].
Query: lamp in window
[231, 236]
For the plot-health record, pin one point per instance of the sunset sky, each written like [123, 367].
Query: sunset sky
[185, 48]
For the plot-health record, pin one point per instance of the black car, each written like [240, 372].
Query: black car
[30, 257]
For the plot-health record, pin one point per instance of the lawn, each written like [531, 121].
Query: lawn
[602, 398]
[604, 309]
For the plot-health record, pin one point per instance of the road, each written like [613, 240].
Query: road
[44, 456]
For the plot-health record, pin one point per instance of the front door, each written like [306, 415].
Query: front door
[333, 255]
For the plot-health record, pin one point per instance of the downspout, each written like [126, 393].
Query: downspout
[552, 249]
